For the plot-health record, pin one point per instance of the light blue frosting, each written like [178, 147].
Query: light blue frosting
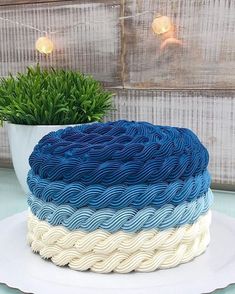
[127, 219]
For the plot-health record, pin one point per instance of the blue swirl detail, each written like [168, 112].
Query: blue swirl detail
[126, 219]
[119, 196]
[119, 152]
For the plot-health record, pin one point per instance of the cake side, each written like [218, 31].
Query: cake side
[119, 196]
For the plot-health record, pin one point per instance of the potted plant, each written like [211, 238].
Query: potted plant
[40, 101]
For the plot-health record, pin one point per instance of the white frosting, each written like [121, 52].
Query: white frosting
[121, 252]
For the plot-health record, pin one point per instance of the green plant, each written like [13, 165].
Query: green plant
[51, 97]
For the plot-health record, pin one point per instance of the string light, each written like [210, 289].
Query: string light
[162, 24]
[44, 45]
[164, 28]
[171, 42]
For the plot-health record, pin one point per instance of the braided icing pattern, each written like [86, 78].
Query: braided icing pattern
[119, 152]
[144, 252]
[126, 219]
[100, 241]
[138, 196]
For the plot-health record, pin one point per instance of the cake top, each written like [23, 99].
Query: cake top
[119, 152]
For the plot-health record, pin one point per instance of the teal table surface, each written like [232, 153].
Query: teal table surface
[13, 200]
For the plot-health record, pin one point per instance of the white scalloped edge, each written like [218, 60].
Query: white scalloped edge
[23, 280]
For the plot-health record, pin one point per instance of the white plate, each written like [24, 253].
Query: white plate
[20, 268]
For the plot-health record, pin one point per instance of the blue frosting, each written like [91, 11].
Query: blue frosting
[119, 196]
[126, 219]
[119, 152]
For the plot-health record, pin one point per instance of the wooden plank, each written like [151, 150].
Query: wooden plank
[5, 158]
[6, 163]
[210, 114]
[86, 36]
[20, 2]
[206, 58]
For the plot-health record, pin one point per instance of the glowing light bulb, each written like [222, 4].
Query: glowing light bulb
[162, 24]
[44, 45]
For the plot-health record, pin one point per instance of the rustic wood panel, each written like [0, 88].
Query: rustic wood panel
[210, 114]
[5, 158]
[205, 60]
[19, 2]
[86, 36]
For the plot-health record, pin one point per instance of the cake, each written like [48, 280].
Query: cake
[119, 196]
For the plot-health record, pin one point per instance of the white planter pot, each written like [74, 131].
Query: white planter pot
[22, 140]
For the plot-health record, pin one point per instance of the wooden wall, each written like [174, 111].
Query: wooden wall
[113, 40]
[86, 36]
[192, 85]
[206, 29]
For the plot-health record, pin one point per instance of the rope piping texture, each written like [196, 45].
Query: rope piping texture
[126, 219]
[100, 241]
[119, 153]
[119, 196]
[121, 252]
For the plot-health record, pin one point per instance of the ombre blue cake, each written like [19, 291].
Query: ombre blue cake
[102, 187]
